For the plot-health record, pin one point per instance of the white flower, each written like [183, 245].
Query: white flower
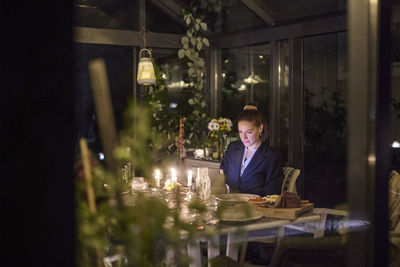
[210, 126]
[213, 125]
[191, 101]
[228, 123]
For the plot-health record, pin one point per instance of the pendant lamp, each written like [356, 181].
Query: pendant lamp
[145, 75]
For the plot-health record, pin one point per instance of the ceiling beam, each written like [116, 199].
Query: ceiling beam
[336, 23]
[133, 38]
[172, 9]
[125, 38]
[260, 10]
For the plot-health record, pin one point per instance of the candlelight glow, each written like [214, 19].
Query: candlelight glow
[173, 173]
[157, 173]
[189, 177]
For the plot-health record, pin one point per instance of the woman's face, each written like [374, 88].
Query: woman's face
[249, 133]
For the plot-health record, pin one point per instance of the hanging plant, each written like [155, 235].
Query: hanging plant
[194, 110]
[192, 45]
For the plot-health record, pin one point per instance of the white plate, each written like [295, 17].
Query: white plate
[232, 215]
[236, 197]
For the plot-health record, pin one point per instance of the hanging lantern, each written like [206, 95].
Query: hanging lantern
[145, 75]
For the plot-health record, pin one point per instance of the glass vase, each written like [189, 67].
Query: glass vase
[221, 147]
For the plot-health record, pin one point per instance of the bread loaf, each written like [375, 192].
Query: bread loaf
[288, 200]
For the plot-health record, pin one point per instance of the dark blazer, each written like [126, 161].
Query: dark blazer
[262, 176]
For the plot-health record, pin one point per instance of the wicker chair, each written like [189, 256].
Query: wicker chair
[289, 179]
[288, 185]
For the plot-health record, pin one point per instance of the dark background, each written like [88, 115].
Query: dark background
[36, 134]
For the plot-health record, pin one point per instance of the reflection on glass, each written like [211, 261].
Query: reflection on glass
[325, 75]
[284, 100]
[245, 75]
[394, 189]
[119, 69]
[107, 15]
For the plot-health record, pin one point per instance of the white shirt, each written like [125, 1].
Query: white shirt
[245, 161]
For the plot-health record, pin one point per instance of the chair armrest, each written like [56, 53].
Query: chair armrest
[331, 211]
[394, 234]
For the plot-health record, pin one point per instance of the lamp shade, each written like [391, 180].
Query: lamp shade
[145, 75]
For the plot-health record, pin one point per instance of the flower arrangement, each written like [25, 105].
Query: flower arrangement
[219, 129]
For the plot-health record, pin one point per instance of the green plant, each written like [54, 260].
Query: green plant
[137, 232]
[194, 111]
[162, 121]
[192, 45]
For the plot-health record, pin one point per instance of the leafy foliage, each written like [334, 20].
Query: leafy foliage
[194, 111]
[192, 45]
[164, 122]
[143, 228]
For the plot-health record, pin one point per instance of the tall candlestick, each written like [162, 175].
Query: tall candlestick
[173, 177]
[189, 178]
[157, 177]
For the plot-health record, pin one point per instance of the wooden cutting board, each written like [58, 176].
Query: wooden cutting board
[284, 213]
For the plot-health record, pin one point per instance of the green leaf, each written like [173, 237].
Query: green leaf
[188, 21]
[185, 46]
[199, 46]
[190, 72]
[200, 63]
[198, 20]
[205, 42]
[187, 53]
[190, 64]
[184, 40]
[197, 27]
[181, 53]
[193, 41]
[189, 34]
[203, 25]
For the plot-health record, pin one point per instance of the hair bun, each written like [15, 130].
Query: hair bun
[250, 107]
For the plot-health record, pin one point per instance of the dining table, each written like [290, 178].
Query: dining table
[232, 235]
[229, 233]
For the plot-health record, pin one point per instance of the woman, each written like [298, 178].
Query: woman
[250, 165]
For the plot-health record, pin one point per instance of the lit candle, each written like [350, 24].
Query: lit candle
[199, 153]
[173, 176]
[157, 177]
[189, 178]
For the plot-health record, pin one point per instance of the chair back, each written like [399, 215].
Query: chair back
[289, 180]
